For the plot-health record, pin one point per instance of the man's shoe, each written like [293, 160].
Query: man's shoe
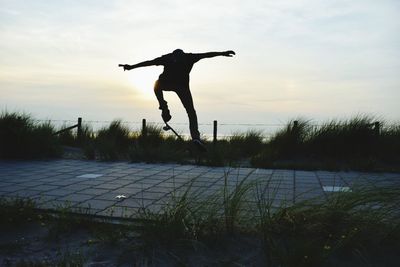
[200, 145]
[166, 116]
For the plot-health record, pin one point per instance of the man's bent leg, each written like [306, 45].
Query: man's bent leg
[186, 98]
[162, 103]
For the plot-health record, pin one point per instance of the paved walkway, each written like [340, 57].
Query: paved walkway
[84, 184]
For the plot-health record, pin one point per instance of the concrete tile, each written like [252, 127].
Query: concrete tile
[135, 202]
[12, 188]
[27, 194]
[119, 212]
[109, 186]
[150, 185]
[97, 204]
[93, 191]
[58, 192]
[44, 187]
[76, 187]
[75, 197]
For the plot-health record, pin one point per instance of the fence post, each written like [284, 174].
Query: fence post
[377, 128]
[144, 128]
[215, 133]
[79, 130]
[295, 125]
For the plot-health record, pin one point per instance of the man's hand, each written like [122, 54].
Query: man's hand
[229, 53]
[125, 66]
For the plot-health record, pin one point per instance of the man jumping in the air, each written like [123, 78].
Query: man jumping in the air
[175, 77]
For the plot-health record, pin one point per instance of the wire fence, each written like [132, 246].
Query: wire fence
[212, 130]
[225, 130]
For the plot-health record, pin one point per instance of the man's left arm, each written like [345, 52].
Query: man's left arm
[200, 56]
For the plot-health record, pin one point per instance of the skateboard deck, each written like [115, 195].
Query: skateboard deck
[167, 127]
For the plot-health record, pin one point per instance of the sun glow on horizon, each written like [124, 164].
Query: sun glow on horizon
[295, 58]
[143, 80]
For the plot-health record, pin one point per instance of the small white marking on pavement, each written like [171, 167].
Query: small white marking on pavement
[336, 189]
[89, 175]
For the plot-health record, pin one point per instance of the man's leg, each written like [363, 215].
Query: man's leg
[163, 106]
[186, 98]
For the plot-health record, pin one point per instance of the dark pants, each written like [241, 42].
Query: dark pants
[183, 92]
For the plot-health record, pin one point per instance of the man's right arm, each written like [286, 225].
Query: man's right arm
[155, 62]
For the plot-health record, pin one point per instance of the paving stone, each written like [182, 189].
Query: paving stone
[151, 195]
[41, 199]
[170, 185]
[135, 202]
[12, 188]
[111, 196]
[91, 182]
[59, 192]
[56, 182]
[109, 186]
[151, 185]
[97, 204]
[44, 187]
[93, 191]
[119, 212]
[75, 197]
[27, 193]
[55, 204]
[76, 187]
[122, 182]
[32, 183]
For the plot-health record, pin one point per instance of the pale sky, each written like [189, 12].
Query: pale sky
[317, 59]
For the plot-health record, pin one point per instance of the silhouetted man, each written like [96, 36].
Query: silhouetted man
[175, 77]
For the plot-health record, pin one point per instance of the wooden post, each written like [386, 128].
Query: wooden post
[377, 128]
[215, 133]
[79, 131]
[294, 137]
[295, 125]
[144, 128]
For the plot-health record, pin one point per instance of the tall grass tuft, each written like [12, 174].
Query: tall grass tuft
[67, 138]
[17, 211]
[22, 137]
[70, 138]
[337, 144]
[154, 146]
[183, 217]
[234, 149]
[113, 142]
[389, 143]
[234, 197]
[243, 145]
[353, 227]
[351, 138]
[285, 144]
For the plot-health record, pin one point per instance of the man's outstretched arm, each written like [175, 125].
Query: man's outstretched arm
[154, 62]
[229, 53]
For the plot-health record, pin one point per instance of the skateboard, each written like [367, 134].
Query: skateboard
[167, 127]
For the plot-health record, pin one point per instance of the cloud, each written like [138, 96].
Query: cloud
[291, 55]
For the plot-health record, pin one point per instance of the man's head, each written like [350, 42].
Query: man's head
[178, 52]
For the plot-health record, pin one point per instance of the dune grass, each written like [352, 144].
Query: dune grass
[113, 142]
[155, 146]
[15, 212]
[357, 228]
[348, 144]
[337, 144]
[23, 138]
